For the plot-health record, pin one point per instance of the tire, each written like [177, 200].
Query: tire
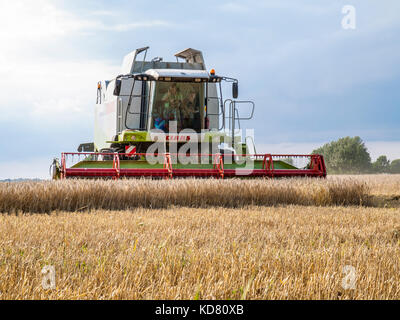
[107, 150]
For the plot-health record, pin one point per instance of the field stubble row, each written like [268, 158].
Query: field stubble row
[77, 195]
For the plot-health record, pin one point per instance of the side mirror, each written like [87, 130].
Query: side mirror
[235, 90]
[117, 89]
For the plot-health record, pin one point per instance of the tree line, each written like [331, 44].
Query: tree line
[350, 155]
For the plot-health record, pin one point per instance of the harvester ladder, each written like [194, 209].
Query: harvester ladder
[233, 115]
[219, 98]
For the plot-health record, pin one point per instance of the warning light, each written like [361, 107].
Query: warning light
[212, 72]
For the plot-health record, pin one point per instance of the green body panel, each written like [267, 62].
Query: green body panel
[126, 164]
[130, 137]
[278, 164]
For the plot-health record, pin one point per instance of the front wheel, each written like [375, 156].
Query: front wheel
[107, 156]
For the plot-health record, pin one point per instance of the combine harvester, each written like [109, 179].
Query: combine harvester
[169, 119]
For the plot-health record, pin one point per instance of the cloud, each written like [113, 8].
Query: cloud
[26, 20]
[288, 148]
[34, 168]
[310, 79]
[318, 8]
[391, 149]
[302, 45]
[48, 84]
[45, 86]
[234, 7]
[38, 20]
[107, 13]
[136, 25]
[50, 90]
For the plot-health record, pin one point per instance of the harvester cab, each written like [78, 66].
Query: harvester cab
[169, 119]
[180, 99]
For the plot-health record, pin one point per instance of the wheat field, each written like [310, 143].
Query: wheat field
[76, 195]
[249, 247]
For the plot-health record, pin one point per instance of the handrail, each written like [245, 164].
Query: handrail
[197, 154]
[221, 113]
[252, 110]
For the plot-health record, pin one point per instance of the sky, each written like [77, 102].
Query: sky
[312, 80]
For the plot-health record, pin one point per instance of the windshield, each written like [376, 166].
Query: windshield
[180, 102]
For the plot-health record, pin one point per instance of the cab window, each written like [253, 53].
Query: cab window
[180, 102]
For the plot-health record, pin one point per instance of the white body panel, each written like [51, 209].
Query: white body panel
[128, 62]
[105, 123]
[179, 73]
